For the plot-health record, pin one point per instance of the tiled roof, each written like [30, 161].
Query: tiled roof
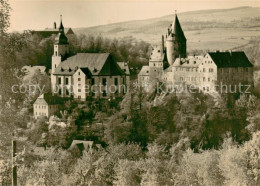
[230, 59]
[144, 71]
[97, 63]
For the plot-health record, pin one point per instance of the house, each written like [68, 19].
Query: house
[85, 75]
[45, 106]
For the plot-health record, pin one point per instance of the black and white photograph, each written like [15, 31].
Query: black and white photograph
[130, 93]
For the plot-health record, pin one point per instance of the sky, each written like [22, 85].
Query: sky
[40, 14]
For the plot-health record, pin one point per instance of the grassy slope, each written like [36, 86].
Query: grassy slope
[205, 29]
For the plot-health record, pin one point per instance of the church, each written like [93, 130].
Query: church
[170, 64]
[85, 75]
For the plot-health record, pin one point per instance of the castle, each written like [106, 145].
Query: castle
[86, 75]
[170, 64]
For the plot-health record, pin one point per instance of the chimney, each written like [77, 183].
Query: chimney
[54, 25]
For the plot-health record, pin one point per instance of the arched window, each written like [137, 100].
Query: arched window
[56, 53]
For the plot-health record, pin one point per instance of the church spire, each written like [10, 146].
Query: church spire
[61, 28]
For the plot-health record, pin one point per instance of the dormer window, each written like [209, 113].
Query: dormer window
[95, 70]
[159, 51]
[79, 73]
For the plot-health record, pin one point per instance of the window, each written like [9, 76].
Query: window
[79, 73]
[79, 97]
[66, 81]
[92, 81]
[104, 93]
[79, 79]
[35, 106]
[246, 69]
[56, 53]
[181, 78]
[187, 69]
[104, 81]
[204, 70]
[59, 80]
[208, 79]
[204, 79]
[79, 90]
[93, 93]
[116, 81]
[67, 92]
[154, 64]
[210, 69]
[59, 91]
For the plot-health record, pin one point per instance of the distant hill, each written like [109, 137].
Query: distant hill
[204, 29]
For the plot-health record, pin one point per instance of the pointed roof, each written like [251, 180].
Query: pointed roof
[61, 39]
[177, 30]
[61, 28]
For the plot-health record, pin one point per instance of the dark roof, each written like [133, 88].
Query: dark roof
[230, 59]
[177, 30]
[86, 71]
[61, 39]
[49, 99]
[97, 63]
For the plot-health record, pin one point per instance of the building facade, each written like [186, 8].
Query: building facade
[170, 64]
[45, 106]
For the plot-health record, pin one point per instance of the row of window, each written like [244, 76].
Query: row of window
[104, 81]
[234, 70]
[40, 114]
[187, 69]
[40, 107]
[193, 79]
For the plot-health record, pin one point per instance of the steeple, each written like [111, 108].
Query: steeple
[61, 39]
[61, 28]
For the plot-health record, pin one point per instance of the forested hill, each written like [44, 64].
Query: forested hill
[204, 29]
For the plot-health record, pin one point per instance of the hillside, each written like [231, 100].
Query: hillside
[206, 29]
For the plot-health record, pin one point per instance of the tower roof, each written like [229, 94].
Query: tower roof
[177, 30]
[61, 39]
[61, 28]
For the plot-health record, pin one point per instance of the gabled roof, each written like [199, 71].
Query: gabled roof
[144, 71]
[230, 59]
[177, 30]
[97, 63]
[124, 66]
[86, 71]
[48, 99]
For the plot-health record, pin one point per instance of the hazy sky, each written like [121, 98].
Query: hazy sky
[39, 14]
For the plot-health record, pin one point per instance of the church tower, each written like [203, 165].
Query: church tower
[61, 47]
[175, 42]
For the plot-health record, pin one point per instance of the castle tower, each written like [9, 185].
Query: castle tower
[175, 42]
[156, 62]
[61, 47]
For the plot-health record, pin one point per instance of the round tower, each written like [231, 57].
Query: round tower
[175, 42]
